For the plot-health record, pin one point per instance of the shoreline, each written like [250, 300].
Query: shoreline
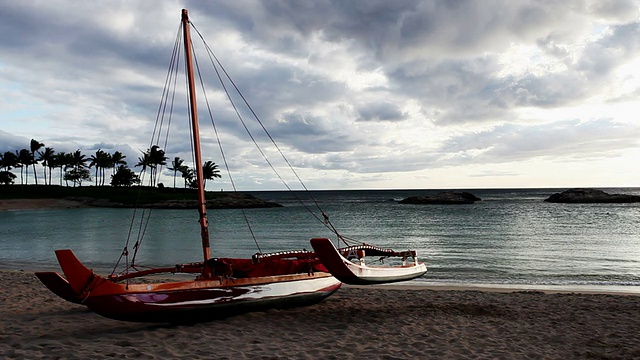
[36, 204]
[617, 290]
[510, 288]
[229, 201]
[353, 323]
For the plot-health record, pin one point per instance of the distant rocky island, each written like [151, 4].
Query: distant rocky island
[590, 196]
[443, 198]
[124, 197]
[225, 201]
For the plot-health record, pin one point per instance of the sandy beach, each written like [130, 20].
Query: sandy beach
[354, 323]
[30, 204]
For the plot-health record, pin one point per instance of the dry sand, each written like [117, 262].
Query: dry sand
[354, 323]
[30, 204]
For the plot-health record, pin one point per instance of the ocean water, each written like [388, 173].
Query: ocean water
[510, 238]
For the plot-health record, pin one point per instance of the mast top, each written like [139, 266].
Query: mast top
[185, 15]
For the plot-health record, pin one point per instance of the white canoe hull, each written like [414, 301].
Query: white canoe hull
[360, 274]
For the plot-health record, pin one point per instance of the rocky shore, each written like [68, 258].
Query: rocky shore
[443, 198]
[225, 201]
[590, 196]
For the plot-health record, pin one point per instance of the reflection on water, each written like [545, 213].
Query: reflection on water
[511, 237]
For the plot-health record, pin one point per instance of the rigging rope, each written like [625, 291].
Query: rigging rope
[156, 134]
[166, 106]
[224, 158]
[325, 218]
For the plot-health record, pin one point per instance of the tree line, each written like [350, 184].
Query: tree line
[75, 167]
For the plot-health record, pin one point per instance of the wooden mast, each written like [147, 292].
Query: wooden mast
[202, 208]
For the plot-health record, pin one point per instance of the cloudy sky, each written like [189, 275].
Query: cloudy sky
[357, 94]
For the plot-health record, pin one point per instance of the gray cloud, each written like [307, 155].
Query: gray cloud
[10, 142]
[336, 83]
[561, 140]
[381, 112]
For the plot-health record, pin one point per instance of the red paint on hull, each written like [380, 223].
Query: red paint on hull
[58, 285]
[189, 301]
[170, 307]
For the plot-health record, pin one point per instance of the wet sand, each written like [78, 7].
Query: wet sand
[355, 323]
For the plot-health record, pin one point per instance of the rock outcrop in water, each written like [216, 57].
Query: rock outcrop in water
[590, 196]
[443, 198]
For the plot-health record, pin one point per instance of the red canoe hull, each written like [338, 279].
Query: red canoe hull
[184, 301]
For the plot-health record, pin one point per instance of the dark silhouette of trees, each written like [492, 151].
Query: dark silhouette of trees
[77, 175]
[152, 159]
[24, 160]
[35, 145]
[73, 166]
[124, 176]
[7, 177]
[101, 161]
[79, 160]
[117, 159]
[176, 164]
[188, 175]
[210, 171]
[46, 159]
[64, 161]
[145, 162]
[8, 160]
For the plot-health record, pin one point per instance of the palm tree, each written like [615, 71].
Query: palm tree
[106, 163]
[152, 158]
[79, 171]
[94, 162]
[117, 159]
[60, 161]
[9, 160]
[79, 159]
[187, 174]
[175, 167]
[24, 160]
[67, 163]
[209, 171]
[35, 146]
[46, 157]
[144, 161]
[158, 159]
[101, 160]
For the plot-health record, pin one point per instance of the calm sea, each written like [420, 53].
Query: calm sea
[510, 238]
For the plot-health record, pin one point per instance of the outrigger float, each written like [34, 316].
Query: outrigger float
[349, 266]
